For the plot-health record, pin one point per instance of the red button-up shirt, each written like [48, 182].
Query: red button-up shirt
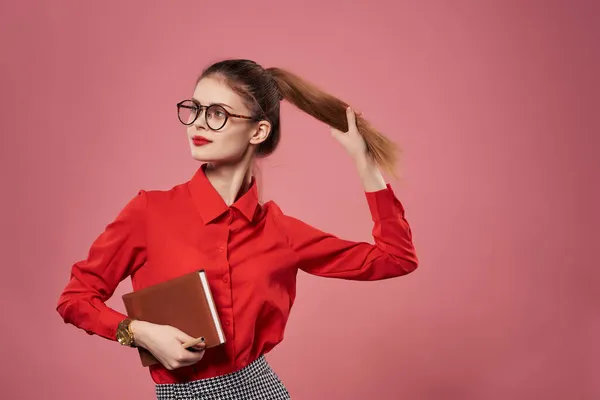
[250, 251]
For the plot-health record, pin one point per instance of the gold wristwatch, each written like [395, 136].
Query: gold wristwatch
[124, 333]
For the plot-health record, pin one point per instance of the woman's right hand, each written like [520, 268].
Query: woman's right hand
[165, 344]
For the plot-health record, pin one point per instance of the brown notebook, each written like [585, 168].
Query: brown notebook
[184, 302]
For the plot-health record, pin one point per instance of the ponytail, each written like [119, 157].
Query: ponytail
[332, 111]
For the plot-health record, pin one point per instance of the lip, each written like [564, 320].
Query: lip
[200, 141]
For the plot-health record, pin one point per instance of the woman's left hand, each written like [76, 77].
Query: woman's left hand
[352, 140]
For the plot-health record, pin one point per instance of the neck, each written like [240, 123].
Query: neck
[230, 180]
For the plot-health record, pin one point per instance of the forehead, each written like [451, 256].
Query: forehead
[215, 90]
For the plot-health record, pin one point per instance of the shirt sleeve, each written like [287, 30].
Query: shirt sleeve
[113, 256]
[326, 255]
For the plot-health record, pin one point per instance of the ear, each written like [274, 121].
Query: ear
[261, 133]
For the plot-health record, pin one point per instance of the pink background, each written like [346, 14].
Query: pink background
[495, 104]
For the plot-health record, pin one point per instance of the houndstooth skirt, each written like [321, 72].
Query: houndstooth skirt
[256, 381]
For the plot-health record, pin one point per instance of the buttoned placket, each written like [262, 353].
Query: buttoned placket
[226, 284]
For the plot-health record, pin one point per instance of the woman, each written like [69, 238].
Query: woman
[251, 251]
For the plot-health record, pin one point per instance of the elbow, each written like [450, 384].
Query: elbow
[60, 309]
[72, 311]
[399, 259]
[70, 306]
[404, 265]
[64, 308]
[388, 267]
[412, 262]
[411, 266]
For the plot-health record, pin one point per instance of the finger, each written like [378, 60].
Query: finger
[187, 358]
[193, 357]
[192, 342]
[185, 339]
[180, 335]
[197, 349]
[351, 119]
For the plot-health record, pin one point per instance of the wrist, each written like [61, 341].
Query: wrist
[369, 173]
[137, 330]
[363, 162]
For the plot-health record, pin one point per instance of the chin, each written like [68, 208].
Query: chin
[199, 155]
[202, 155]
[207, 156]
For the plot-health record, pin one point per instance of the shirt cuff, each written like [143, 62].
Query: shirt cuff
[109, 320]
[384, 204]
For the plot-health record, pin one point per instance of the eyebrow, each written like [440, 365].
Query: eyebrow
[220, 104]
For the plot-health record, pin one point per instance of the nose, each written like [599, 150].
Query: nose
[200, 122]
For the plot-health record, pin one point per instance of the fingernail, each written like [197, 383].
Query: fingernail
[202, 339]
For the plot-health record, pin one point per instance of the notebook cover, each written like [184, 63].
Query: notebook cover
[181, 302]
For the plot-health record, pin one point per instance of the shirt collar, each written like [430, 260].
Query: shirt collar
[211, 205]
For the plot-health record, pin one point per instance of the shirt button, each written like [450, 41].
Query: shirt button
[226, 323]
[221, 249]
[225, 279]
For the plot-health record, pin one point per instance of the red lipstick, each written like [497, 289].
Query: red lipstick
[200, 141]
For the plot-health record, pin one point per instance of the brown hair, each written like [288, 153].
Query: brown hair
[263, 89]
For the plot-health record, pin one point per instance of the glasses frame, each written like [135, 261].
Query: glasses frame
[200, 107]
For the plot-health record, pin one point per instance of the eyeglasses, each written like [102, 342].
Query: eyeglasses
[215, 115]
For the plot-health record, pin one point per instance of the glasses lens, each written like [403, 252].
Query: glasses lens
[216, 116]
[187, 111]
